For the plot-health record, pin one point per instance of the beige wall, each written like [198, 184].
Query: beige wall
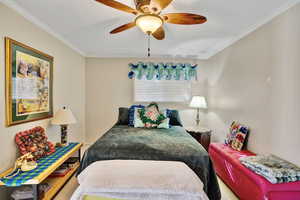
[69, 82]
[108, 87]
[256, 81]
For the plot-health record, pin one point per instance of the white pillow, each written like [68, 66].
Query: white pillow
[164, 124]
[137, 122]
[164, 112]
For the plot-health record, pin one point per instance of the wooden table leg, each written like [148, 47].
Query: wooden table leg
[35, 191]
[79, 154]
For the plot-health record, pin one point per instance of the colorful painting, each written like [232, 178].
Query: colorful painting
[28, 83]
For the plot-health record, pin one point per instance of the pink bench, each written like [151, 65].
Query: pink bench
[246, 184]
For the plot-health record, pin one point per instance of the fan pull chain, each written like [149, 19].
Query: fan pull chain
[149, 54]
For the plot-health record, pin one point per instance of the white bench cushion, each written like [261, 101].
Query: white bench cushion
[136, 179]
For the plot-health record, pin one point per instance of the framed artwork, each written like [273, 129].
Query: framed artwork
[29, 83]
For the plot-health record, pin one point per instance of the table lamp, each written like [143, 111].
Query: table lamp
[64, 117]
[198, 102]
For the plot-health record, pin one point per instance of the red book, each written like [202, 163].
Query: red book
[60, 172]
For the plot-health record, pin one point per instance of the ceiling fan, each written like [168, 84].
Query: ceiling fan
[149, 18]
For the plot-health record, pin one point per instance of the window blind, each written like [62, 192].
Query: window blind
[162, 90]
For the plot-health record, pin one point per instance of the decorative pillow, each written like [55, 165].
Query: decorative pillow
[151, 116]
[237, 136]
[123, 116]
[164, 124]
[164, 112]
[232, 132]
[131, 113]
[174, 117]
[239, 142]
[138, 123]
[34, 141]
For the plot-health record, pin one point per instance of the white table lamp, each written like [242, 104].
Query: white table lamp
[64, 117]
[198, 102]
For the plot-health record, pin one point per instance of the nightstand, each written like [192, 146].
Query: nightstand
[201, 134]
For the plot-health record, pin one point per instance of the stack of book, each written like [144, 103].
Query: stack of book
[65, 167]
[72, 161]
[22, 193]
[26, 192]
[61, 171]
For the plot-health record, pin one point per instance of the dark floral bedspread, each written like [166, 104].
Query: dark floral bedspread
[173, 144]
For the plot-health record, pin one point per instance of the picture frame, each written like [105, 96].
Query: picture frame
[28, 83]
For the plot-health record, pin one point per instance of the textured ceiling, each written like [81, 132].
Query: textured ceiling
[85, 25]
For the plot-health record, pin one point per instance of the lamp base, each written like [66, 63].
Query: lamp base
[64, 135]
[198, 118]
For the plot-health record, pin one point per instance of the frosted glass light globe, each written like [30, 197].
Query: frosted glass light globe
[148, 23]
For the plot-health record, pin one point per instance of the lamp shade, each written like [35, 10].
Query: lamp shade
[64, 116]
[198, 102]
[148, 23]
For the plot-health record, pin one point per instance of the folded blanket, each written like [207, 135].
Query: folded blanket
[274, 169]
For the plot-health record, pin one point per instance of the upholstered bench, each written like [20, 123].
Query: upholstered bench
[139, 179]
[246, 184]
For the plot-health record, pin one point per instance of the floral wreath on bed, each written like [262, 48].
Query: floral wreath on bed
[151, 116]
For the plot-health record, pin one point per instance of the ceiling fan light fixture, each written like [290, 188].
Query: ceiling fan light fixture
[149, 23]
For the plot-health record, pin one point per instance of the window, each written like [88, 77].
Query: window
[162, 90]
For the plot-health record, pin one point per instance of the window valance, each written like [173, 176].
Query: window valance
[163, 71]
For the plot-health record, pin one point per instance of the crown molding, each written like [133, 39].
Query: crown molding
[223, 45]
[13, 5]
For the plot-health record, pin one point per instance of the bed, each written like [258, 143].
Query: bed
[123, 142]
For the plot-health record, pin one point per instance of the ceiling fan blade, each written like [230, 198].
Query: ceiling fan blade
[123, 28]
[159, 34]
[184, 18]
[118, 6]
[158, 5]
